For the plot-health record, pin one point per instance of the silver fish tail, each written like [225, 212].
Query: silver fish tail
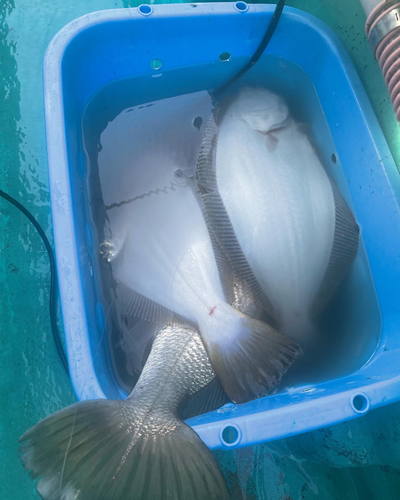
[133, 449]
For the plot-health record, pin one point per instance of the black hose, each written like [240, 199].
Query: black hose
[53, 277]
[260, 50]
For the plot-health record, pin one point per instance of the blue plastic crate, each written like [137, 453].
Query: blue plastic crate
[307, 63]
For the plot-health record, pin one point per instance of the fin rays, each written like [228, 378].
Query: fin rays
[218, 218]
[120, 457]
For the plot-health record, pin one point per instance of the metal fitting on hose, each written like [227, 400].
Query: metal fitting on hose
[383, 31]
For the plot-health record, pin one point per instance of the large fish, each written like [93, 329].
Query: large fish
[138, 449]
[165, 265]
[274, 210]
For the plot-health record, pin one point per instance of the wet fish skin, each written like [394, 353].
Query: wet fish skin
[143, 433]
[285, 220]
[162, 258]
[166, 259]
[138, 448]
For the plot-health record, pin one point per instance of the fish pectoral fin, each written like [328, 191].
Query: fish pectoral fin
[272, 134]
[132, 303]
[271, 141]
[250, 359]
[102, 450]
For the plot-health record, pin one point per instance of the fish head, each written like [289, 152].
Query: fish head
[261, 109]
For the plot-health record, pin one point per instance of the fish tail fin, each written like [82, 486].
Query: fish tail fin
[249, 356]
[101, 450]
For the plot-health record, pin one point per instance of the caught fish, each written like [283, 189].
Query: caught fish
[138, 449]
[277, 215]
[169, 268]
[165, 266]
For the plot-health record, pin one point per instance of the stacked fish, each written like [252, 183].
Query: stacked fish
[261, 239]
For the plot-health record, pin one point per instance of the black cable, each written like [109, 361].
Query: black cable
[260, 50]
[53, 277]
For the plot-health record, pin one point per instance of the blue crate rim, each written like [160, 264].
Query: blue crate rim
[209, 426]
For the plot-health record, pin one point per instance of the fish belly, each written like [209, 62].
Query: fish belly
[140, 151]
[167, 255]
[282, 210]
[155, 227]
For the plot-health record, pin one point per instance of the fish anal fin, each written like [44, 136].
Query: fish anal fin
[218, 220]
[132, 303]
[222, 229]
[343, 253]
[211, 397]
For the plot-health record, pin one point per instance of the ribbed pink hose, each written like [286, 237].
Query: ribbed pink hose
[388, 52]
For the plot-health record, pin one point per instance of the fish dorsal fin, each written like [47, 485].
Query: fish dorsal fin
[131, 303]
[206, 175]
[225, 270]
[237, 292]
[211, 397]
[343, 253]
[218, 220]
